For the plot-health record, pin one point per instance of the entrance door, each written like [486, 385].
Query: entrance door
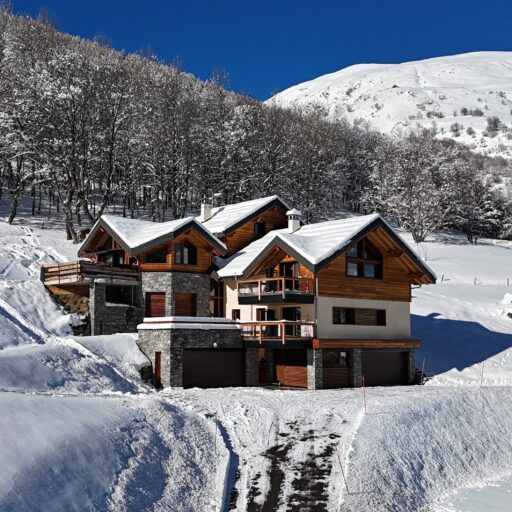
[158, 369]
[155, 304]
[292, 314]
[186, 304]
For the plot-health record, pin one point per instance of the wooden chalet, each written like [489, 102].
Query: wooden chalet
[246, 294]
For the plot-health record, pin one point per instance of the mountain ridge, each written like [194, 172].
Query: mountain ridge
[454, 95]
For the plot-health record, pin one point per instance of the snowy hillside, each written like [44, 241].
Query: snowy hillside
[454, 94]
[80, 431]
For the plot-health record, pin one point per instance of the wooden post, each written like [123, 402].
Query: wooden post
[283, 333]
[342, 470]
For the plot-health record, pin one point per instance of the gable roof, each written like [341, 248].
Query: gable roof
[226, 219]
[315, 245]
[136, 236]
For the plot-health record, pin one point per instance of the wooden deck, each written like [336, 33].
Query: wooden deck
[80, 272]
[278, 330]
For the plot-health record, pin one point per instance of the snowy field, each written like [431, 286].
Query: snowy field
[79, 431]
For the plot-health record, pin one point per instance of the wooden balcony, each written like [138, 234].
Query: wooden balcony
[83, 272]
[276, 289]
[280, 331]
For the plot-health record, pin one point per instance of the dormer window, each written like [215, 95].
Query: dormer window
[185, 254]
[364, 260]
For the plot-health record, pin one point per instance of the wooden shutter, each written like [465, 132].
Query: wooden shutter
[155, 304]
[186, 304]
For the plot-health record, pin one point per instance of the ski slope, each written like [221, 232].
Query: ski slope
[80, 431]
[393, 98]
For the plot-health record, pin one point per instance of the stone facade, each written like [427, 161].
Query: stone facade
[171, 342]
[315, 368]
[181, 282]
[356, 366]
[111, 319]
[412, 366]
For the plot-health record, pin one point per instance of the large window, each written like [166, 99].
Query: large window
[358, 316]
[185, 254]
[159, 256]
[363, 260]
[334, 358]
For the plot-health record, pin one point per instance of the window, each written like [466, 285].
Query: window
[259, 229]
[343, 315]
[119, 295]
[358, 316]
[185, 254]
[159, 256]
[235, 314]
[363, 260]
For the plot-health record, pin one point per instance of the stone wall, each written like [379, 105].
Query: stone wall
[315, 368]
[110, 319]
[356, 367]
[181, 282]
[171, 342]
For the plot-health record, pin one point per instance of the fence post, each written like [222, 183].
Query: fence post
[342, 470]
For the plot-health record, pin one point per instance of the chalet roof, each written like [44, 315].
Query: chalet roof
[136, 236]
[226, 219]
[314, 245]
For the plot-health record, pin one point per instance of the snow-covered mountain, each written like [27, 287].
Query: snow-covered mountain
[456, 94]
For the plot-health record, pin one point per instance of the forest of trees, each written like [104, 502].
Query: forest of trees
[84, 127]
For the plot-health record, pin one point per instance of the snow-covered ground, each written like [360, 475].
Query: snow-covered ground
[394, 98]
[79, 431]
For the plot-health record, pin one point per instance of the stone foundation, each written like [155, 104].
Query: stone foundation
[171, 341]
[111, 319]
[315, 369]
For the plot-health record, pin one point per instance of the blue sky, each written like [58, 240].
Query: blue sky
[266, 46]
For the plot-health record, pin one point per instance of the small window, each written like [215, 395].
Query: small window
[185, 254]
[381, 317]
[343, 315]
[235, 314]
[352, 269]
[259, 229]
[159, 256]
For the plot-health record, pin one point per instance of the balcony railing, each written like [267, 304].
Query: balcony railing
[277, 287]
[283, 330]
[76, 272]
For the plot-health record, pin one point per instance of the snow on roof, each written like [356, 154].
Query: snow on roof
[225, 217]
[314, 242]
[135, 233]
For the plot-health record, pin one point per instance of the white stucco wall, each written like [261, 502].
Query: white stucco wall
[398, 322]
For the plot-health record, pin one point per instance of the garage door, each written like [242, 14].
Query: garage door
[155, 304]
[215, 368]
[381, 368]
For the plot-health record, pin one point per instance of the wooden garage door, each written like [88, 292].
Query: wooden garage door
[155, 304]
[186, 304]
[381, 368]
[215, 368]
[291, 368]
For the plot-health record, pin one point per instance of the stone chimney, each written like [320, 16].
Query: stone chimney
[293, 220]
[206, 210]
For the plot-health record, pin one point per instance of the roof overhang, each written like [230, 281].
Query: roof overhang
[191, 224]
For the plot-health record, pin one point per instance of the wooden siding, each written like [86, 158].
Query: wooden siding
[366, 344]
[293, 376]
[336, 378]
[204, 256]
[394, 285]
[244, 235]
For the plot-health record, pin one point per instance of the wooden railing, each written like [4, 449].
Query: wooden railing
[79, 271]
[283, 330]
[276, 286]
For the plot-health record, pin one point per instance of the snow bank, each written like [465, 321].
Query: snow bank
[415, 449]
